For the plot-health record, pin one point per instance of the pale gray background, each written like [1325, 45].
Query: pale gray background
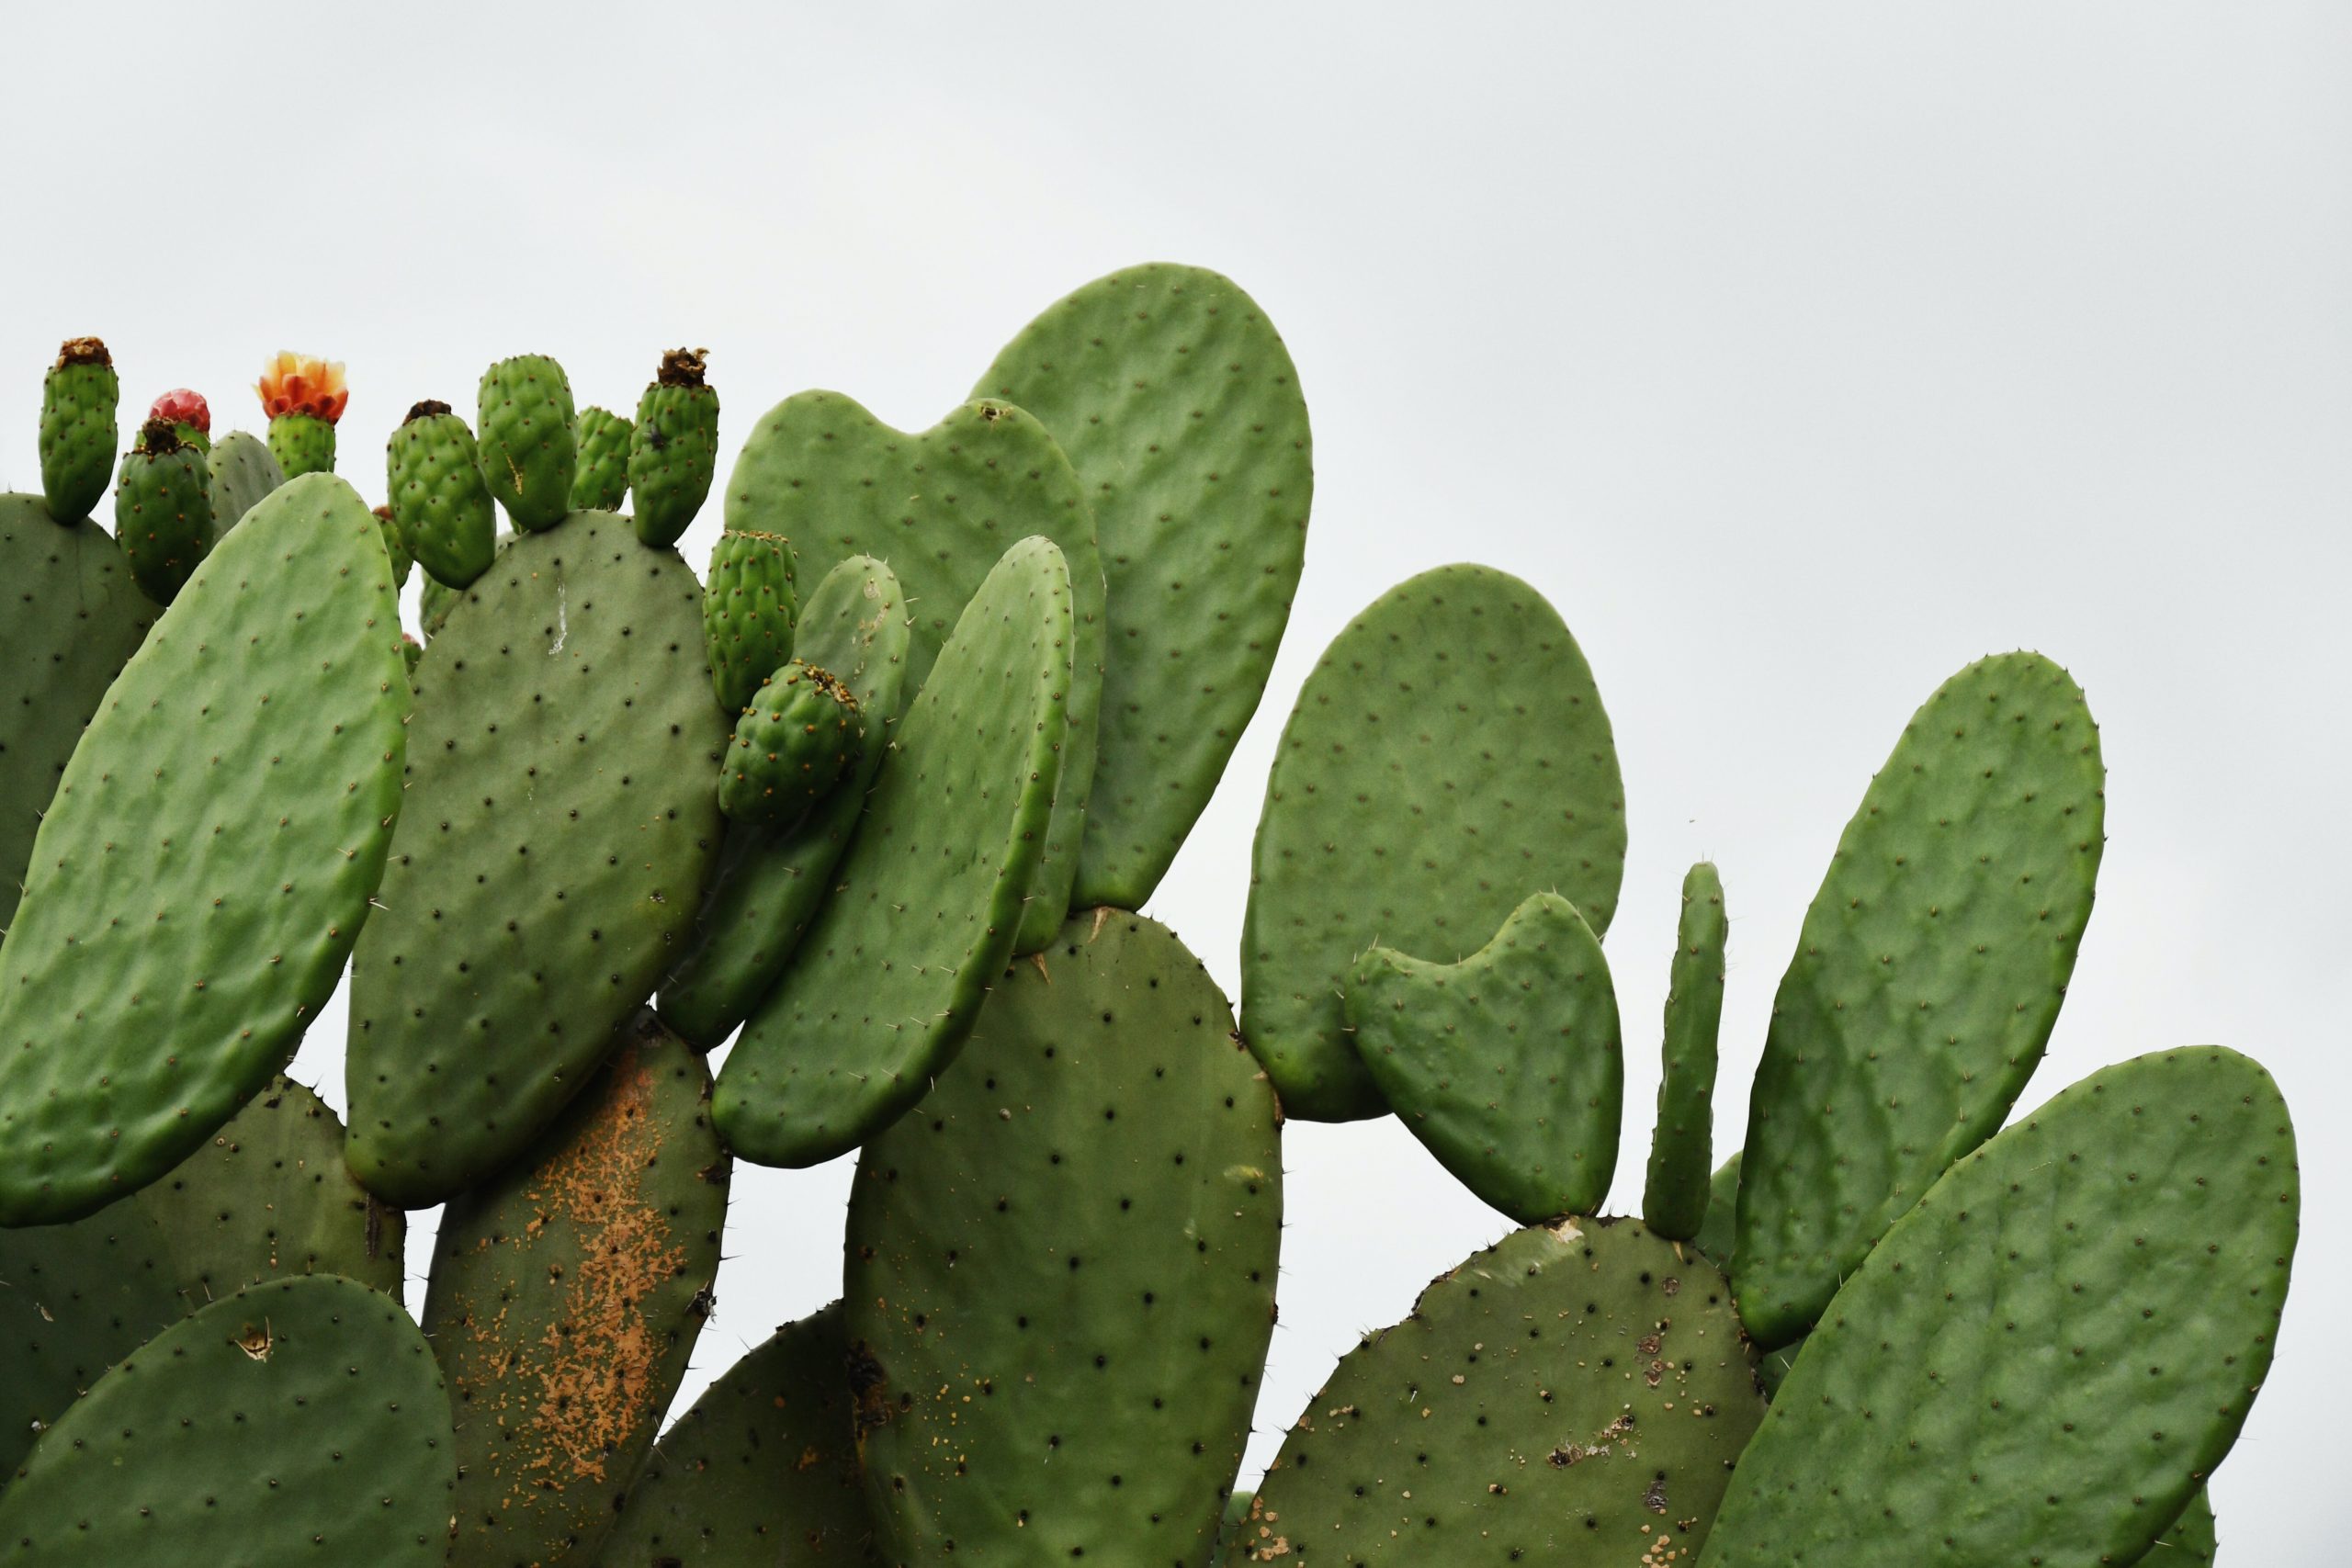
[1799, 362]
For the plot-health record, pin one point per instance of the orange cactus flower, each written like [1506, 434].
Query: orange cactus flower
[295, 383]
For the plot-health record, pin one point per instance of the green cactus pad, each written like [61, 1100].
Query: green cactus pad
[1179, 409]
[940, 507]
[2192, 1540]
[1718, 1233]
[243, 474]
[1927, 977]
[267, 1198]
[565, 741]
[1507, 1064]
[302, 444]
[2045, 1357]
[1573, 1394]
[887, 985]
[747, 607]
[209, 859]
[762, 1469]
[770, 884]
[395, 546]
[163, 511]
[1447, 757]
[792, 747]
[600, 480]
[299, 1422]
[77, 428]
[673, 448]
[435, 599]
[528, 453]
[73, 616]
[565, 1298]
[1061, 1275]
[1674, 1199]
[433, 473]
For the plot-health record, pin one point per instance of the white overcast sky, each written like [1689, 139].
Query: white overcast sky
[1799, 362]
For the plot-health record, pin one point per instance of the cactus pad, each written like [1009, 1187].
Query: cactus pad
[163, 510]
[885, 987]
[1448, 757]
[673, 447]
[528, 452]
[1060, 1276]
[1573, 1394]
[1179, 406]
[792, 746]
[566, 1295]
[439, 501]
[205, 868]
[299, 1422]
[747, 613]
[1927, 978]
[2191, 1541]
[600, 480]
[941, 508]
[566, 741]
[1508, 1065]
[2044, 1358]
[77, 428]
[1674, 1199]
[244, 472]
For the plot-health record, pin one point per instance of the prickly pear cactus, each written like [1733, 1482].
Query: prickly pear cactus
[890, 977]
[566, 1295]
[600, 480]
[2044, 1359]
[528, 453]
[395, 546]
[163, 510]
[1508, 1065]
[2192, 1539]
[1061, 1275]
[243, 474]
[673, 448]
[439, 500]
[1573, 1394]
[304, 398]
[190, 417]
[792, 747]
[1448, 757]
[211, 855]
[77, 428]
[747, 607]
[1927, 977]
[1674, 1200]
[302, 1421]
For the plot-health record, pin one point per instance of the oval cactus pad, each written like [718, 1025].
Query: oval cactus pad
[1448, 757]
[890, 977]
[208, 862]
[1180, 409]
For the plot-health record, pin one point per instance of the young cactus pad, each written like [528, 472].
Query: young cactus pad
[1927, 977]
[243, 473]
[600, 477]
[2045, 1357]
[837, 482]
[1061, 1275]
[673, 447]
[1179, 408]
[747, 613]
[1674, 1199]
[562, 716]
[890, 977]
[1508, 1065]
[433, 472]
[1448, 757]
[792, 747]
[528, 451]
[1573, 1394]
[566, 1295]
[208, 860]
[77, 428]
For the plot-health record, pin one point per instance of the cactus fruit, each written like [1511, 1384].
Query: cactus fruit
[747, 606]
[302, 1421]
[1573, 1394]
[1180, 409]
[163, 510]
[566, 1295]
[797, 741]
[1926, 981]
[1448, 756]
[1105, 1156]
[770, 884]
[600, 474]
[1674, 1199]
[439, 500]
[674, 449]
[1508, 1065]
[529, 454]
[762, 1469]
[2046, 1356]
[890, 977]
[826, 474]
[243, 473]
[206, 865]
[77, 429]
[561, 717]
[304, 398]
[190, 417]
[394, 546]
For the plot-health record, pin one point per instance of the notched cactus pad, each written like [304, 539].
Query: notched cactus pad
[1060, 1275]
[1573, 1394]
[209, 859]
[1448, 757]
[1179, 408]
[2046, 1357]
[300, 1422]
[1927, 977]
[1507, 1064]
